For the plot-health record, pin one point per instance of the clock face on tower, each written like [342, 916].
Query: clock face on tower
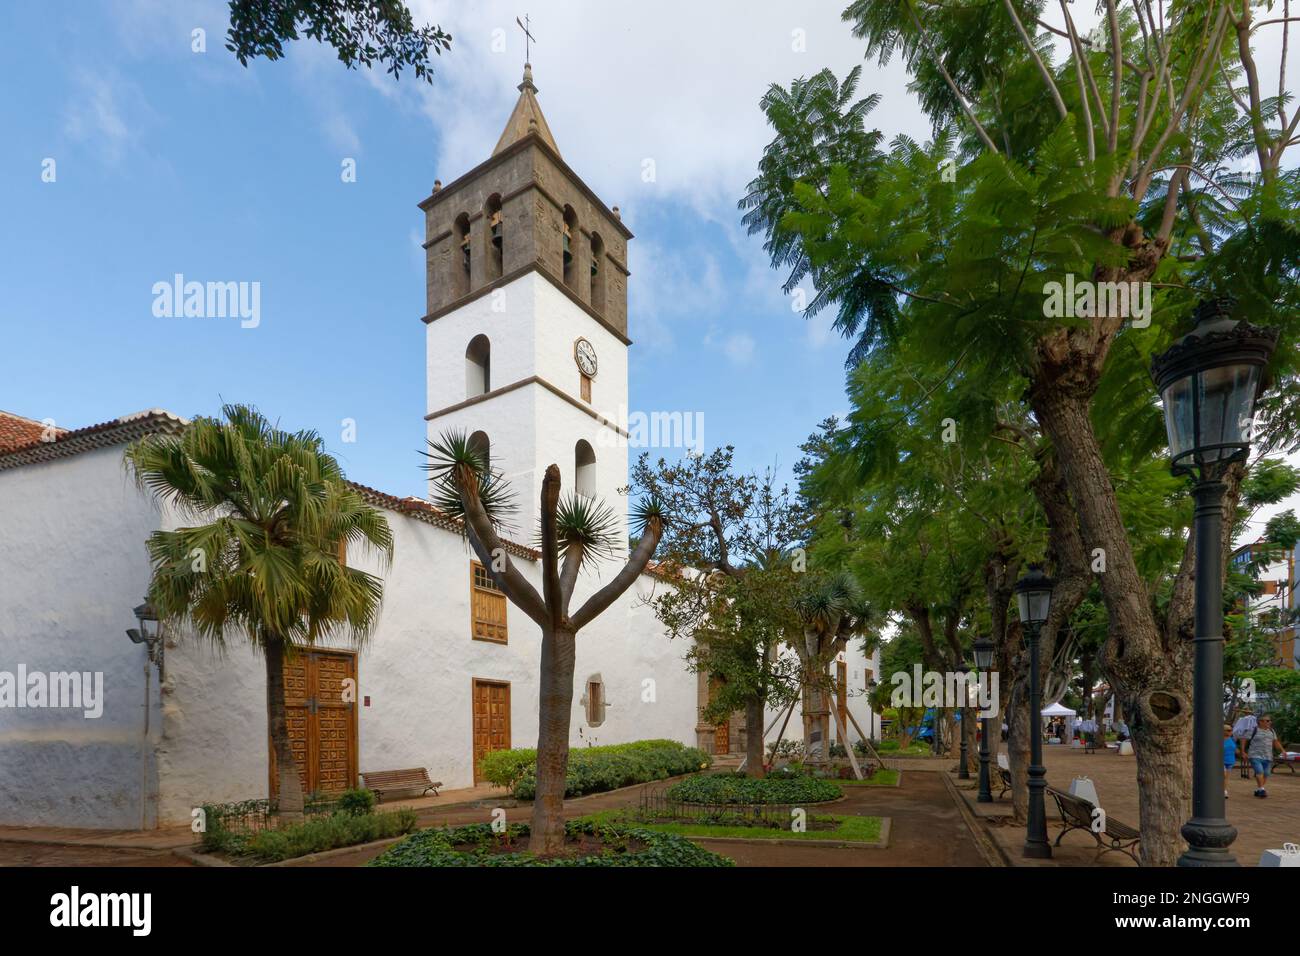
[584, 353]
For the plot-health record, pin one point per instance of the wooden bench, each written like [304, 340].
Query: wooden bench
[1283, 761]
[1076, 814]
[392, 781]
[1002, 780]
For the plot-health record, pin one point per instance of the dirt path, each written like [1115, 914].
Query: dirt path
[44, 854]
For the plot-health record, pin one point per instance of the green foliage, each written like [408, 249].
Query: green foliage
[357, 802]
[327, 833]
[478, 845]
[317, 833]
[1279, 695]
[595, 769]
[362, 32]
[734, 788]
[739, 531]
[834, 827]
[504, 768]
[273, 507]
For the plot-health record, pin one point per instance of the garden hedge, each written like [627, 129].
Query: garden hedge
[735, 788]
[437, 847]
[596, 769]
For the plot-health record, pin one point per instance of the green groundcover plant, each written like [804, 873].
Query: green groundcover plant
[743, 825]
[595, 769]
[611, 845]
[735, 788]
[313, 836]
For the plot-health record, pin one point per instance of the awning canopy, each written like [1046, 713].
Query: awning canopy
[1057, 710]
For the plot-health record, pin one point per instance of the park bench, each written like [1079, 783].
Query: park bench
[393, 781]
[1076, 814]
[1289, 759]
[1002, 781]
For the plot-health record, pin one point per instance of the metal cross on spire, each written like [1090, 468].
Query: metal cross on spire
[529, 39]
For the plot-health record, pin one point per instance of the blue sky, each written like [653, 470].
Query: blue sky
[171, 161]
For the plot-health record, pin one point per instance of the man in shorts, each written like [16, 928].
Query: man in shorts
[1259, 748]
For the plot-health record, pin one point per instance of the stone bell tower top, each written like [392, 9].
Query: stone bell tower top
[524, 210]
[526, 118]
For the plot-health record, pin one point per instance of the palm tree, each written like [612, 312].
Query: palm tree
[263, 561]
[832, 610]
[574, 532]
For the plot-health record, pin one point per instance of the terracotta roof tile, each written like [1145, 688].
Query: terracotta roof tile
[19, 432]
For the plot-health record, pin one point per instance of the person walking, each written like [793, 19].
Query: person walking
[1241, 730]
[1259, 748]
[1229, 756]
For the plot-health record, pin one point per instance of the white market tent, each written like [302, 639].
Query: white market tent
[1057, 710]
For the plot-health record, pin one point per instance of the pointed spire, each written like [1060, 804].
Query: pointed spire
[526, 118]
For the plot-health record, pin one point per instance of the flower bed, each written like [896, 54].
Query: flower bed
[589, 843]
[717, 788]
[595, 769]
[247, 832]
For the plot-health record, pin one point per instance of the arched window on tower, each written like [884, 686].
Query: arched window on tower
[494, 227]
[571, 238]
[598, 269]
[479, 443]
[460, 260]
[584, 469]
[478, 367]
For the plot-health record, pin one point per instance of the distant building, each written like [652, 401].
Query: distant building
[1276, 602]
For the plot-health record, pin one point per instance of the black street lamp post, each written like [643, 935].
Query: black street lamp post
[963, 772]
[984, 661]
[1034, 595]
[1209, 381]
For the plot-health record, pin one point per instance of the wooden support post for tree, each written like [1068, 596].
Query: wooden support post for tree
[866, 739]
[844, 733]
[789, 712]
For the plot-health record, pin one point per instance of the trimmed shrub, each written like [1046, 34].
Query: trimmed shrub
[735, 788]
[596, 769]
[327, 833]
[477, 845]
[357, 802]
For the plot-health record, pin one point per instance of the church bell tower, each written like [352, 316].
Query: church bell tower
[527, 318]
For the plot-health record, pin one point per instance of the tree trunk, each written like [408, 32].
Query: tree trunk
[754, 754]
[1136, 659]
[555, 710]
[289, 799]
[968, 717]
[1018, 730]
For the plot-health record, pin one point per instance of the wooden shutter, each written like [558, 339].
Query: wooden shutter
[487, 606]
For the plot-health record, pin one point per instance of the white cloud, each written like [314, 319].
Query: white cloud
[95, 114]
[738, 347]
[621, 83]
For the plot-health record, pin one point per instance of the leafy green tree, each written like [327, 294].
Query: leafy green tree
[264, 563]
[733, 538]
[575, 533]
[362, 32]
[1117, 162]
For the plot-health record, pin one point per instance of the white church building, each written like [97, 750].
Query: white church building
[527, 342]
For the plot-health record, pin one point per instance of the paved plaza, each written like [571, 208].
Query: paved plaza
[1261, 824]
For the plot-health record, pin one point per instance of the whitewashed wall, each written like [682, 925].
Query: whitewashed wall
[859, 666]
[417, 671]
[72, 567]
